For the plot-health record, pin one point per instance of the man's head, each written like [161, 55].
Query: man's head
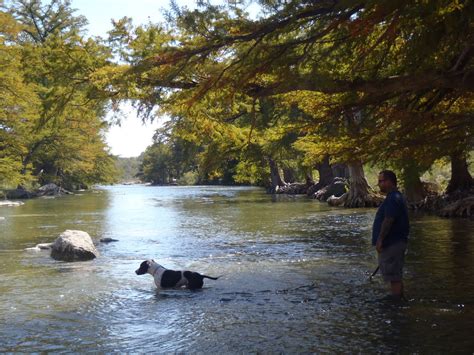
[387, 181]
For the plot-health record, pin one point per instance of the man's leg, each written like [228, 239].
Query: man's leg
[391, 261]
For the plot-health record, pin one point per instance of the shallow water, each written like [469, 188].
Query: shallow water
[294, 276]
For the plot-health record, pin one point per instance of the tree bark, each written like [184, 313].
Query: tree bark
[461, 179]
[460, 208]
[325, 172]
[289, 175]
[325, 177]
[360, 194]
[340, 170]
[275, 177]
[413, 186]
[309, 178]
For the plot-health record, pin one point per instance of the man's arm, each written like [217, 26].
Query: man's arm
[386, 225]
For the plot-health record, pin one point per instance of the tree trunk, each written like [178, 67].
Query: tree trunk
[360, 194]
[340, 170]
[461, 179]
[325, 172]
[413, 186]
[276, 180]
[325, 177]
[309, 178]
[289, 175]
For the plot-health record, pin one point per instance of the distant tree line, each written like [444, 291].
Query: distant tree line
[129, 168]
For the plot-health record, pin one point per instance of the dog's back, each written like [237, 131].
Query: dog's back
[170, 278]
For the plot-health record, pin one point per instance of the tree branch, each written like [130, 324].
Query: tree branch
[460, 80]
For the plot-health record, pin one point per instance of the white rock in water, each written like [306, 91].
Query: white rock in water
[74, 245]
[41, 246]
[11, 203]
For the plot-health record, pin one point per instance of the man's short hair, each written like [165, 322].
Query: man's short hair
[389, 175]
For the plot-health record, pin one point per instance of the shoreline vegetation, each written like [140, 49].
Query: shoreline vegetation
[307, 98]
[434, 200]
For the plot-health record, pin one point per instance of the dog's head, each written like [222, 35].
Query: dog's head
[144, 266]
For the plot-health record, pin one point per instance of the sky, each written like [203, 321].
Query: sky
[132, 137]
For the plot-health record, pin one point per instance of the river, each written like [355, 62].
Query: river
[294, 277]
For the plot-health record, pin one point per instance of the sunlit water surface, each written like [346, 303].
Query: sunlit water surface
[294, 276]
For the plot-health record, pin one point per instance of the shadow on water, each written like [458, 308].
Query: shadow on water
[294, 277]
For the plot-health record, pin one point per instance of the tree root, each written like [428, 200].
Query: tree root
[337, 201]
[336, 188]
[460, 208]
[294, 188]
[370, 199]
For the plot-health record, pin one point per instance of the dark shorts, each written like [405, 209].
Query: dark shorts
[391, 261]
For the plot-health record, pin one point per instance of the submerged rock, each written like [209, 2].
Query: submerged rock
[74, 245]
[108, 240]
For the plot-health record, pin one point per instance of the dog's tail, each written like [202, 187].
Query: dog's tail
[209, 277]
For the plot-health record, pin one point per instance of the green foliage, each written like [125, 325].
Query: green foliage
[39, 21]
[156, 164]
[387, 83]
[380, 82]
[248, 172]
[128, 168]
[18, 106]
[189, 178]
[52, 115]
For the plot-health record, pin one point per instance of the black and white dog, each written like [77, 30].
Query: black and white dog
[165, 278]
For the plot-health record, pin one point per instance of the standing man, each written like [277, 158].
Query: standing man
[390, 233]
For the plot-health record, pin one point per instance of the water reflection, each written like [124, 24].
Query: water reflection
[295, 277]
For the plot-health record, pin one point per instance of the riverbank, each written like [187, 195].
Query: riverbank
[453, 204]
[45, 190]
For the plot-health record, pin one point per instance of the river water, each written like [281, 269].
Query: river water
[294, 277]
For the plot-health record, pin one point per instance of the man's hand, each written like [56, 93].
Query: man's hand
[378, 245]
[386, 225]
